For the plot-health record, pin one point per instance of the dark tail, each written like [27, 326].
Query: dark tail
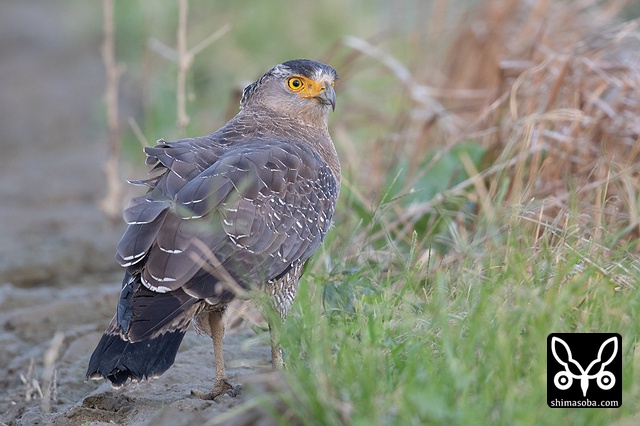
[144, 336]
[118, 360]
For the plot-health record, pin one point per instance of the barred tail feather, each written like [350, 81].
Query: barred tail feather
[117, 360]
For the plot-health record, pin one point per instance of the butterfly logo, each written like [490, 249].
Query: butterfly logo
[564, 379]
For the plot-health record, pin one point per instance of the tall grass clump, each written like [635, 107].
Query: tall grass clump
[465, 343]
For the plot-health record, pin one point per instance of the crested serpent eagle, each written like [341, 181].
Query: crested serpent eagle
[242, 208]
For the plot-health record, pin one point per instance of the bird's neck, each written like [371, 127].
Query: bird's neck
[264, 124]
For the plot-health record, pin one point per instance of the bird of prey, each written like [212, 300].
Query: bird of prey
[242, 208]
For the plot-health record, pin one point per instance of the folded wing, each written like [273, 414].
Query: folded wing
[258, 208]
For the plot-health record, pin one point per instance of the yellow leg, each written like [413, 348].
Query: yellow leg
[221, 385]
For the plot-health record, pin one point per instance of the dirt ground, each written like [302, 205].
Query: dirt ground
[58, 277]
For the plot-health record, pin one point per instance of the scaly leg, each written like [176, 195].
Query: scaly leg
[221, 385]
[276, 351]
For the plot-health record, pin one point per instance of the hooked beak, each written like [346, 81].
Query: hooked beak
[328, 96]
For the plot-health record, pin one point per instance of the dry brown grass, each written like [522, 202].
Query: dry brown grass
[577, 114]
[549, 88]
[111, 204]
[44, 384]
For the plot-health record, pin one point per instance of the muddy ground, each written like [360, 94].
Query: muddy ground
[58, 277]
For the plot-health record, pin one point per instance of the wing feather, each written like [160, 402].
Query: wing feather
[137, 240]
[255, 206]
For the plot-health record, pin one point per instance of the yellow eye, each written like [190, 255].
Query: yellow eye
[295, 83]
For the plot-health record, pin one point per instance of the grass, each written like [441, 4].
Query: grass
[463, 344]
[489, 197]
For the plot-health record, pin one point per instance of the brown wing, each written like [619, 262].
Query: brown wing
[259, 208]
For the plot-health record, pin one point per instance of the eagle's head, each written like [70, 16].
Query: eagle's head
[300, 88]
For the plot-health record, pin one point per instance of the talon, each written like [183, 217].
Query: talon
[222, 387]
